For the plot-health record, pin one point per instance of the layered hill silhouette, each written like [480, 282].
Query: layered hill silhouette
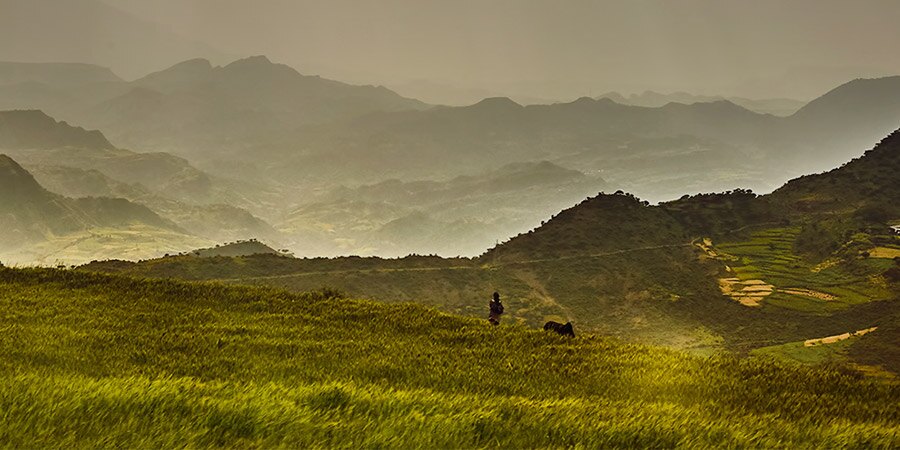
[31, 214]
[34, 129]
[460, 216]
[197, 107]
[253, 116]
[96, 32]
[78, 163]
[713, 145]
[275, 143]
[55, 74]
[39, 140]
[850, 115]
[774, 106]
[795, 274]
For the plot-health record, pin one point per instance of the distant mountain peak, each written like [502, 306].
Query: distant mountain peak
[180, 74]
[842, 101]
[608, 101]
[255, 59]
[613, 96]
[196, 64]
[261, 66]
[251, 61]
[497, 103]
[584, 101]
[717, 105]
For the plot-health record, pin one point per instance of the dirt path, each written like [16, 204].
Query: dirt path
[328, 272]
[472, 267]
[808, 293]
[837, 337]
[594, 255]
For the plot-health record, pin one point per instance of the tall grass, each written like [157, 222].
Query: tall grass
[99, 361]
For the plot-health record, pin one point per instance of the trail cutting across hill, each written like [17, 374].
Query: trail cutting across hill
[467, 267]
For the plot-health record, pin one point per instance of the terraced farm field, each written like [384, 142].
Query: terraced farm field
[799, 284]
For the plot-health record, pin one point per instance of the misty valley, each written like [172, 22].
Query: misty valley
[234, 252]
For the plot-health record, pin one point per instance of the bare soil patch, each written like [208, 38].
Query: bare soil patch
[837, 337]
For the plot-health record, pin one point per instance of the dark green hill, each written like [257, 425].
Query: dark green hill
[140, 363]
[239, 248]
[601, 224]
[871, 181]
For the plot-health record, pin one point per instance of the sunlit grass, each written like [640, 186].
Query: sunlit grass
[97, 361]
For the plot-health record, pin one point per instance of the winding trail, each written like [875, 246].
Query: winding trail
[467, 267]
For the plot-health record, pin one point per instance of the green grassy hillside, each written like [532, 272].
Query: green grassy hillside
[649, 294]
[237, 248]
[732, 270]
[102, 361]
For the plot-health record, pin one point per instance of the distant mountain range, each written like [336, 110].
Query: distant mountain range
[96, 32]
[30, 214]
[714, 146]
[34, 129]
[253, 119]
[55, 74]
[650, 99]
[194, 107]
[460, 216]
[312, 156]
[108, 187]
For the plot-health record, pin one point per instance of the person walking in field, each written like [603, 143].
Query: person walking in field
[496, 308]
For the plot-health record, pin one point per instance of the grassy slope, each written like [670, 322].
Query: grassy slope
[99, 361]
[616, 266]
[587, 290]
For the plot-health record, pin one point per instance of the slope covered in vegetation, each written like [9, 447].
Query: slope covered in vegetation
[104, 361]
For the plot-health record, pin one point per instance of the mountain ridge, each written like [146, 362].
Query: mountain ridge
[24, 129]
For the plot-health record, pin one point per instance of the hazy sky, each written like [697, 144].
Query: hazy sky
[555, 49]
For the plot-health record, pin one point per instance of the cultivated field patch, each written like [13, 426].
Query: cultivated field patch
[768, 257]
[837, 337]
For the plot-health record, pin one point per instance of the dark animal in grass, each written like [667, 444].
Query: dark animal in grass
[564, 330]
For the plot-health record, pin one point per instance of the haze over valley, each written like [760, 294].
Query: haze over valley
[326, 168]
[406, 224]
